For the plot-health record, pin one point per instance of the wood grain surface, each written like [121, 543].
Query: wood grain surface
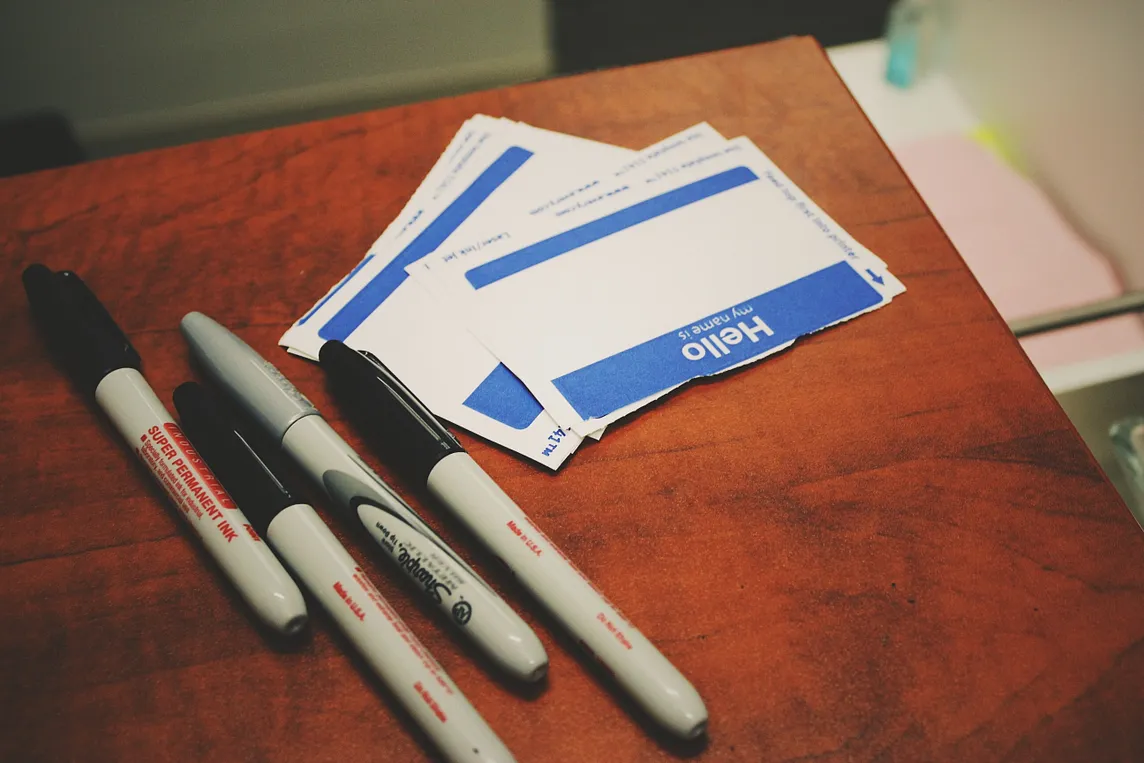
[887, 544]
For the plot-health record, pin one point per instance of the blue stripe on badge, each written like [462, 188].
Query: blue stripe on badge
[649, 209]
[354, 312]
[717, 342]
[504, 397]
[336, 289]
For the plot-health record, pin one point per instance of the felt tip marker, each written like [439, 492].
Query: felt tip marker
[432, 456]
[99, 356]
[435, 569]
[328, 571]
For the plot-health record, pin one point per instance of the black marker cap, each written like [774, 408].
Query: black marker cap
[77, 327]
[247, 478]
[40, 286]
[414, 437]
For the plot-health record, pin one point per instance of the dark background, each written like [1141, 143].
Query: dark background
[586, 35]
[593, 34]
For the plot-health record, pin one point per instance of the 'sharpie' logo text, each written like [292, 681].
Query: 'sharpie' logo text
[412, 564]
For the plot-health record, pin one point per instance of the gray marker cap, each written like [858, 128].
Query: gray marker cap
[247, 377]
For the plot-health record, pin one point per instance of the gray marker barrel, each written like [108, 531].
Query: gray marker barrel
[363, 497]
[335, 579]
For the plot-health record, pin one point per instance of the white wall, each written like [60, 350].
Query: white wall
[1063, 82]
[135, 73]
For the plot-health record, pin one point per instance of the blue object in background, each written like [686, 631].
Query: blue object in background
[903, 35]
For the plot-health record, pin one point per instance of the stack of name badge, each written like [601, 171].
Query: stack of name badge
[539, 286]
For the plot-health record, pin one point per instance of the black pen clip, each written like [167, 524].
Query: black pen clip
[410, 401]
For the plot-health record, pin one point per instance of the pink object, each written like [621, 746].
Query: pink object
[1027, 258]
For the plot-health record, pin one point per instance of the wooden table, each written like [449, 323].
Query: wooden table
[886, 544]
